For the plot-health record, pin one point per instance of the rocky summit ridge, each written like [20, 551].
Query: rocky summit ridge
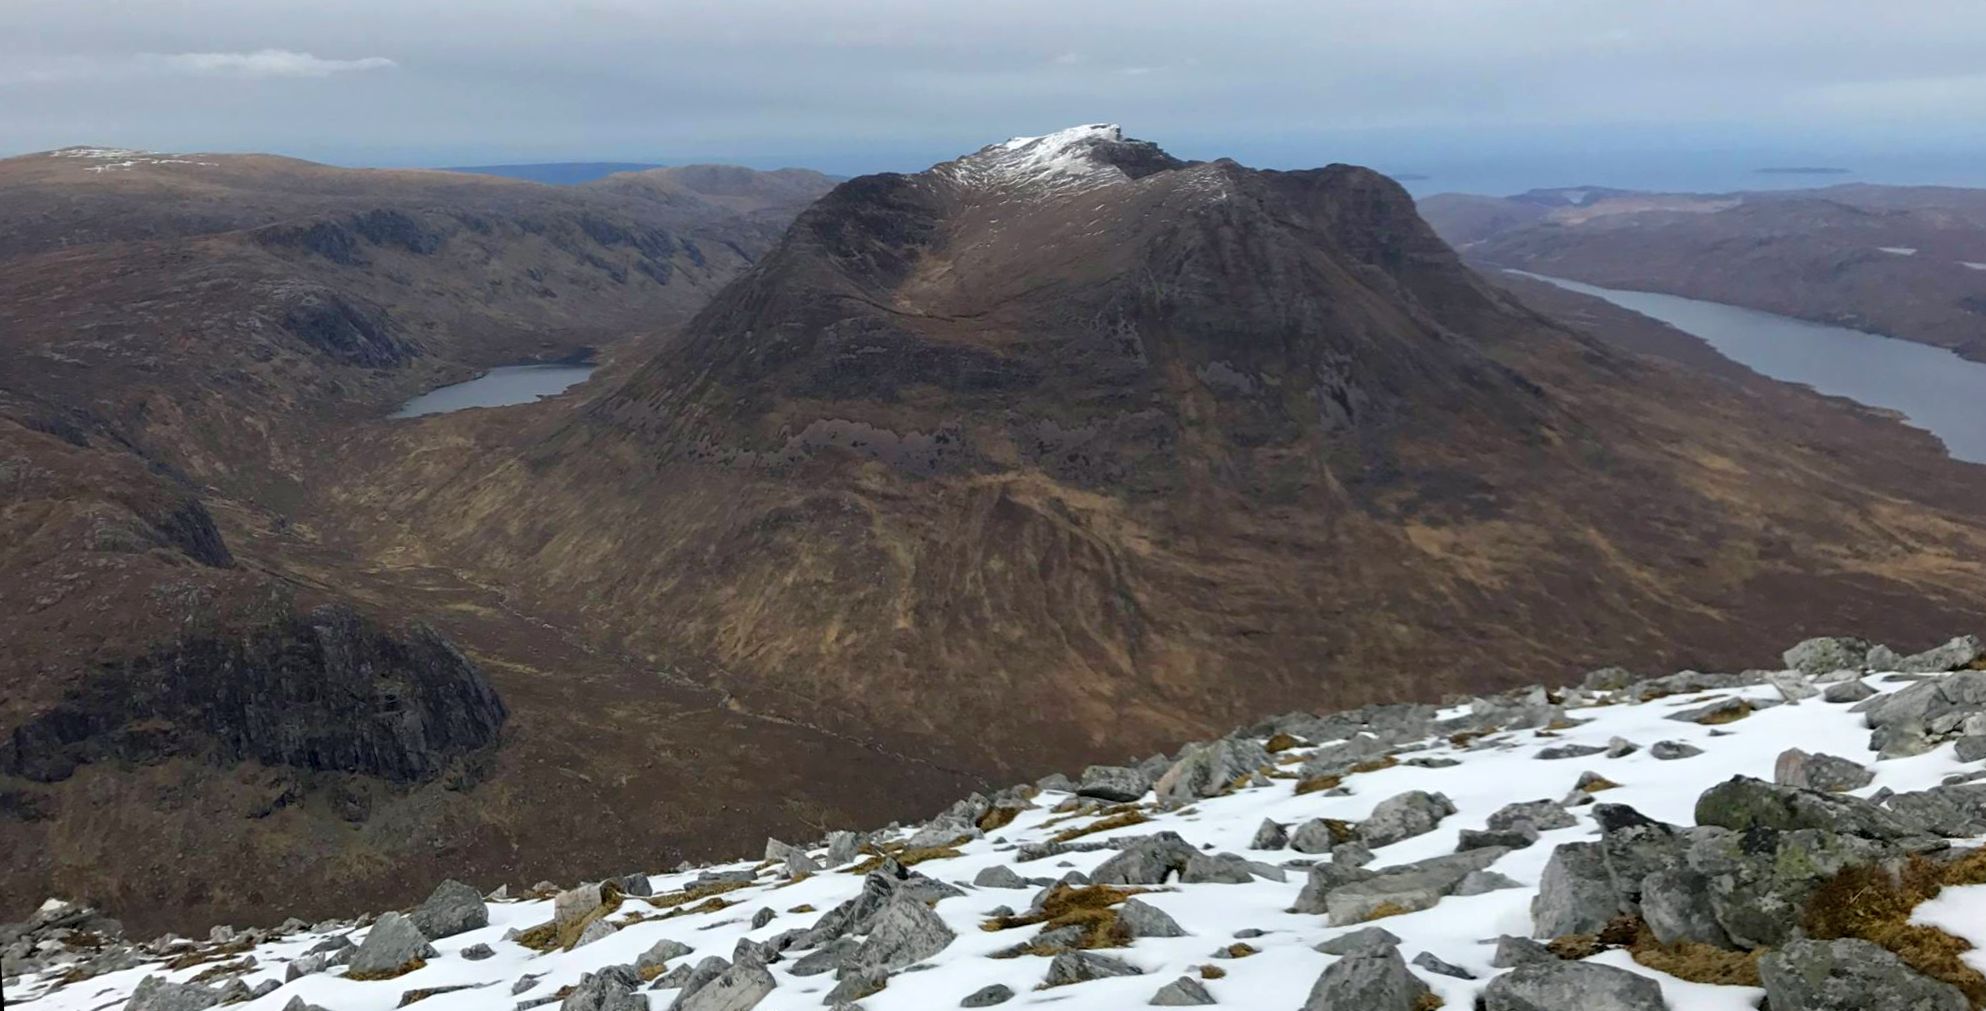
[1693, 842]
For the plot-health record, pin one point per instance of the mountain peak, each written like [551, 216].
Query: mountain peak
[1078, 157]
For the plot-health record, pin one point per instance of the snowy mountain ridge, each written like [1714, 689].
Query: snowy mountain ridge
[1625, 845]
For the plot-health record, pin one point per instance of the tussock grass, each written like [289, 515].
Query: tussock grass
[1212, 972]
[693, 893]
[419, 963]
[999, 817]
[1281, 742]
[1240, 949]
[1124, 819]
[910, 857]
[1384, 910]
[1874, 904]
[1316, 784]
[1376, 764]
[1085, 906]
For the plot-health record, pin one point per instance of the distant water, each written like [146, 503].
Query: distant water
[510, 384]
[1933, 389]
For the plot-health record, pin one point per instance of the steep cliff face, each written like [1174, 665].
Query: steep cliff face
[322, 691]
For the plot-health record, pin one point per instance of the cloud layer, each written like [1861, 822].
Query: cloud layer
[264, 63]
[855, 85]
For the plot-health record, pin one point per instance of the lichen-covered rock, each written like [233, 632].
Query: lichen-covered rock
[1676, 904]
[1572, 986]
[1760, 880]
[1669, 751]
[1827, 653]
[1850, 975]
[1217, 868]
[1741, 803]
[662, 953]
[1374, 979]
[1407, 887]
[1957, 654]
[1318, 835]
[1543, 815]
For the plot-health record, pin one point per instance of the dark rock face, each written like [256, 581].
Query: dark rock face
[345, 329]
[323, 691]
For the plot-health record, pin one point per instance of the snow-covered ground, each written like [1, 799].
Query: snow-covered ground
[1488, 773]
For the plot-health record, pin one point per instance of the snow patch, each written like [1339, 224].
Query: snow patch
[1897, 250]
[1058, 161]
[1971, 265]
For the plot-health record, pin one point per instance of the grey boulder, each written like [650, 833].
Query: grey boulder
[1403, 817]
[1850, 975]
[1372, 980]
[391, 947]
[1572, 986]
[1083, 966]
[904, 933]
[1827, 773]
[1826, 654]
[452, 909]
[1143, 919]
[1182, 992]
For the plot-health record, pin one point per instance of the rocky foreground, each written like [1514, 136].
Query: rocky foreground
[1698, 841]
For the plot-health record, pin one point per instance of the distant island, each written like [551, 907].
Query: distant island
[563, 173]
[1802, 170]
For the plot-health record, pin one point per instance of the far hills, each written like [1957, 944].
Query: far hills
[1906, 261]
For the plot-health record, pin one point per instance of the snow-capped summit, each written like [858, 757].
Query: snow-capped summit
[1078, 157]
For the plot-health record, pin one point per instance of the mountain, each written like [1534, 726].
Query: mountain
[1061, 449]
[1906, 261]
[186, 341]
[556, 173]
[1069, 441]
[1632, 843]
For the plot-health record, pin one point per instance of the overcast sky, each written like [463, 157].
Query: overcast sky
[1466, 88]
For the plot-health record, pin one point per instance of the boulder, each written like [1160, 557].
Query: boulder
[1083, 966]
[1677, 906]
[452, 909]
[1362, 939]
[998, 876]
[1217, 868]
[393, 946]
[1852, 690]
[1850, 975]
[1515, 838]
[1723, 710]
[1825, 654]
[904, 933]
[1318, 835]
[1207, 770]
[987, 996]
[1957, 654]
[1405, 888]
[574, 904]
[1403, 817]
[1792, 685]
[1479, 882]
[1576, 894]
[843, 847]
[1370, 980]
[1115, 783]
[1955, 811]
[1760, 880]
[154, 993]
[1827, 773]
[1741, 803]
[610, 989]
[662, 953]
[1557, 752]
[1669, 751]
[1323, 878]
[1147, 861]
[1572, 986]
[738, 988]
[1427, 960]
[1142, 919]
[1543, 815]
[1270, 835]
[1512, 950]
[478, 952]
[1182, 992]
